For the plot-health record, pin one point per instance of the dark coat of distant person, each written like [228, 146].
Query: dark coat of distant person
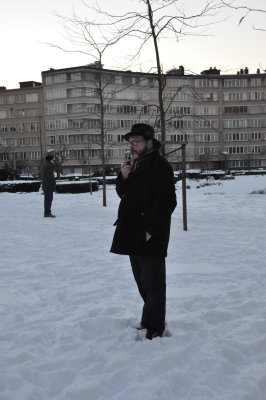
[147, 202]
[47, 177]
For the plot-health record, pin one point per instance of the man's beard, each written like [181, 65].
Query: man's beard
[140, 154]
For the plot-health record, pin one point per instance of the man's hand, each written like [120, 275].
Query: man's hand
[125, 170]
[148, 236]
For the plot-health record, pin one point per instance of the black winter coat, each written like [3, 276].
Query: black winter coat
[147, 202]
[47, 177]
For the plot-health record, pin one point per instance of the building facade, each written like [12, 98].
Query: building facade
[221, 118]
[22, 128]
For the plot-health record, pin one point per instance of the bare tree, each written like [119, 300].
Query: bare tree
[247, 11]
[89, 38]
[157, 19]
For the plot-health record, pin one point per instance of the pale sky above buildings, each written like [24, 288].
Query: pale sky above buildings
[27, 25]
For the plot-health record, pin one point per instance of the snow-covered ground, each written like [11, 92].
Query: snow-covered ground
[69, 307]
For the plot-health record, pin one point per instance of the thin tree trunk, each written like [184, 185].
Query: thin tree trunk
[161, 80]
[102, 130]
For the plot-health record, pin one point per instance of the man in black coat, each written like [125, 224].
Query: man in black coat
[48, 184]
[147, 192]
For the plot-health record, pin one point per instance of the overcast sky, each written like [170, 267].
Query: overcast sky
[26, 25]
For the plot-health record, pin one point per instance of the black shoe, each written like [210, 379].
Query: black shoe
[152, 334]
[49, 216]
[141, 327]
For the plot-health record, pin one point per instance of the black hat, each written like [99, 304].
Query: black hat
[144, 130]
[49, 157]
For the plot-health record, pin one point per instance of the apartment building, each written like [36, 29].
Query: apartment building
[22, 127]
[221, 118]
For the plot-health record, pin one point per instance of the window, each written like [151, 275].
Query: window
[62, 139]
[4, 156]
[3, 114]
[93, 123]
[180, 124]
[256, 110]
[77, 92]
[92, 108]
[179, 138]
[126, 95]
[59, 78]
[207, 137]
[57, 124]
[121, 153]
[31, 97]
[241, 82]
[76, 139]
[22, 142]
[202, 83]
[206, 110]
[77, 154]
[34, 126]
[50, 139]
[206, 123]
[32, 112]
[93, 138]
[75, 76]
[207, 151]
[175, 82]
[235, 123]
[243, 149]
[255, 82]
[56, 94]
[179, 96]
[33, 141]
[21, 127]
[110, 153]
[94, 153]
[22, 156]
[256, 95]
[236, 137]
[20, 98]
[124, 109]
[3, 142]
[20, 112]
[109, 138]
[108, 123]
[126, 80]
[148, 95]
[137, 80]
[107, 109]
[255, 123]
[235, 96]
[3, 128]
[207, 97]
[91, 92]
[57, 109]
[256, 136]
[10, 99]
[35, 155]
[236, 110]
[125, 123]
[179, 110]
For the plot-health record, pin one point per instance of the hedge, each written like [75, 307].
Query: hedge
[20, 186]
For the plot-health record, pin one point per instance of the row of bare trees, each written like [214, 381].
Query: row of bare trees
[154, 21]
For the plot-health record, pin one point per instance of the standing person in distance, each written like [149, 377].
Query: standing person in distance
[147, 193]
[48, 184]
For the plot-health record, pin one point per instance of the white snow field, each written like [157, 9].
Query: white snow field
[69, 307]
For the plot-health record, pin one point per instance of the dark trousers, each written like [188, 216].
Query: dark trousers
[48, 199]
[149, 274]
